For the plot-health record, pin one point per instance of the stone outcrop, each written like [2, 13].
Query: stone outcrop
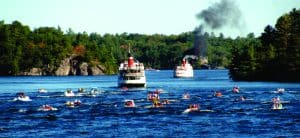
[64, 68]
[97, 70]
[32, 72]
[83, 69]
[73, 66]
[68, 66]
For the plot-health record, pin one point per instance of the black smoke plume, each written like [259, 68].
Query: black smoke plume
[200, 44]
[223, 13]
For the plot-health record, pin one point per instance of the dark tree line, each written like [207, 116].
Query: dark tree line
[274, 56]
[22, 48]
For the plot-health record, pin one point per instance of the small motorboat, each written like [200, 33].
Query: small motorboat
[280, 90]
[91, 93]
[241, 98]
[42, 90]
[69, 93]
[77, 102]
[47, 107]
[192, 108]
[81, 90]
[129, 103]
[94, 91]
[73, 103]
[235, 89]
[277, 105]
[70, 104]
[218, 94]
[152, 96]
[185, 96]
[158, 91]
[165, 101]
[22, 97]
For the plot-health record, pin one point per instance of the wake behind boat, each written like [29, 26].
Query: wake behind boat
[131, 73]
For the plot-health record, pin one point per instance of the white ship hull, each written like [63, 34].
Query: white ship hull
[184, 73]
[132, 83]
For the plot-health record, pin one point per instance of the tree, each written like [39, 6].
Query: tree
[277, 58]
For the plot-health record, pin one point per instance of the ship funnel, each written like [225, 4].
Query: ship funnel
[130, 59]
[183, 62]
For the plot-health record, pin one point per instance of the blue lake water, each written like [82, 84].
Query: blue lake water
[106, 116]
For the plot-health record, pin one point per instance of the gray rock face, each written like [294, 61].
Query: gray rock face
[64, 68]
[68, 66]
[32, 72]
[97, 70]
[84, 69]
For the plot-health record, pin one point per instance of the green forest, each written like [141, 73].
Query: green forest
[274, 55]
[22, 48]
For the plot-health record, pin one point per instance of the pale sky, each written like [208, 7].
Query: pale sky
[138, 16]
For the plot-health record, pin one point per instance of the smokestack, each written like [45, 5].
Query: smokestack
[130, 59]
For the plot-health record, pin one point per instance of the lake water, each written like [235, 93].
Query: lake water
[105, 115]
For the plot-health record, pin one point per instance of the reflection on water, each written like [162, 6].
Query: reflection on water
[103, 113]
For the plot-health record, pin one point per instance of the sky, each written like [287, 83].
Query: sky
[139, 16]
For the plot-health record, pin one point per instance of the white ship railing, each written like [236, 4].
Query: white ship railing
[134, 67]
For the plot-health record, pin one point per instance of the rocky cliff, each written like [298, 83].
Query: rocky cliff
[68, 67]
[32, 72]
